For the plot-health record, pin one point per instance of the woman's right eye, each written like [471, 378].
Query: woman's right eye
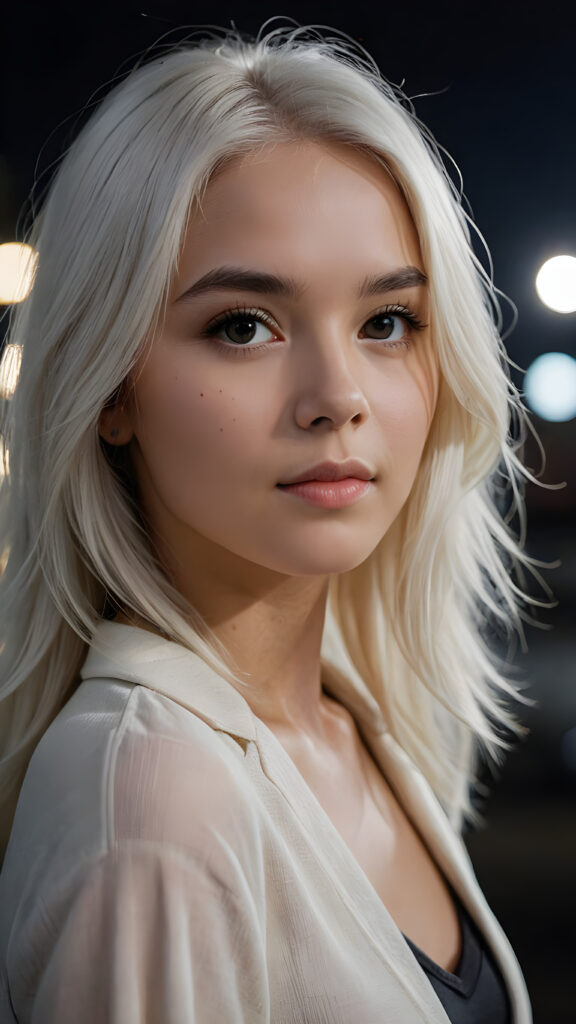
[238, 329]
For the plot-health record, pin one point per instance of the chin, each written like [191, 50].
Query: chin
[332, 563]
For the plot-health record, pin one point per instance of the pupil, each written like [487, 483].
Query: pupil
[383, 324]
[241, 330]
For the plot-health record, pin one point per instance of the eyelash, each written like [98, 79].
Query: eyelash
[240, 312]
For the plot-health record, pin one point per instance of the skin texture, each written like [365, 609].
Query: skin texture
[212, 430]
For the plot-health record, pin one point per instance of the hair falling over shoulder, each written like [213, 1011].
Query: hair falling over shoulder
[410, 621]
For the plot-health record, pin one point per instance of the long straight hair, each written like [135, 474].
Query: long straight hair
[408, 622]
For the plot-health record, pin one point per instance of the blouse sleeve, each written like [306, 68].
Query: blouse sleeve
[153, 935]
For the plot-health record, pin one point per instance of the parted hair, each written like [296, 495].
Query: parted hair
[412, 622]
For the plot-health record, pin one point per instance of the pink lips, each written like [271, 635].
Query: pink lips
[331, 484]
[331, 471]
[337, 494]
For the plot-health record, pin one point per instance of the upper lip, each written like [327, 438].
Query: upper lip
[332, 471]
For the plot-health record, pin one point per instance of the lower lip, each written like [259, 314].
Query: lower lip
[335, 494]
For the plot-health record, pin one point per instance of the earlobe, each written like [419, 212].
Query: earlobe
[114, 425]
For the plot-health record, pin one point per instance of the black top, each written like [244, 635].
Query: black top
[475, 993]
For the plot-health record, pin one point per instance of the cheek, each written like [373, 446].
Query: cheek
[190, 434]
[405, 415]
[406, 408]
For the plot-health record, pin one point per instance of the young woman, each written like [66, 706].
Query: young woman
[253, 541]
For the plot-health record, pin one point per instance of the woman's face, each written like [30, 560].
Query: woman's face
[293, 337]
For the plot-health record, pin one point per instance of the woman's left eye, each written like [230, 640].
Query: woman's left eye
[386, 327]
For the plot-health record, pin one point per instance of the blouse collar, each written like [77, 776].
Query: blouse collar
[135, 655]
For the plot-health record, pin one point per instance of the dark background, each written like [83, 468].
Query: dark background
[496, 83]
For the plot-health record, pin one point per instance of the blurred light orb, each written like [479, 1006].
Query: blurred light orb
[550, 386]
[556, 283]
[10, 370]
[17, 269]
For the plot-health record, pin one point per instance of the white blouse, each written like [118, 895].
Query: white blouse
[168, 864]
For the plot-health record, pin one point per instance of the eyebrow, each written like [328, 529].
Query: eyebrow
[236, 278]
[403, 277]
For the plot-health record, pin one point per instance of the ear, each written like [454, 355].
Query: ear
[115, 425]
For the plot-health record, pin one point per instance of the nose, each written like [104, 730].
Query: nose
[329, 385]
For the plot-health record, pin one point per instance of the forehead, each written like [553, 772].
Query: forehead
[303, 198]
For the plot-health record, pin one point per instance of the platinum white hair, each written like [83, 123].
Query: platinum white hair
[408, 621]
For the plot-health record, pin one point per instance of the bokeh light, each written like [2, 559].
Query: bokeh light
[17, 269]
[556, 283]
[550, 386]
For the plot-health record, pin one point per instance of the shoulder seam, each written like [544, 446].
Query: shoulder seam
[110, 769]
